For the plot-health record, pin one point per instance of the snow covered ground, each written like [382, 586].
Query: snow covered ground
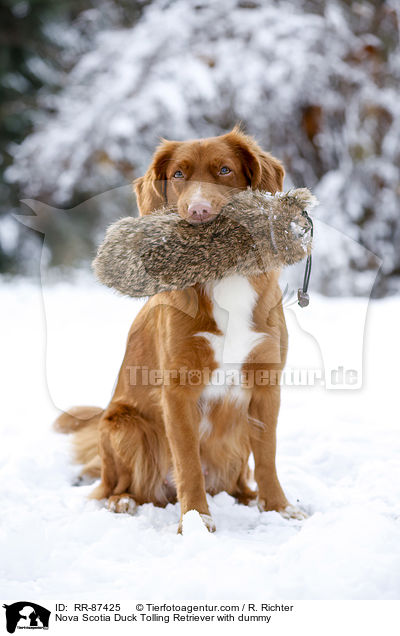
[338, 456]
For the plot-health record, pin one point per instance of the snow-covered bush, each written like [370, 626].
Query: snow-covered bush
[315, 83]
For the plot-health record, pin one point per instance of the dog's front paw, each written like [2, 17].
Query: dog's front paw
[286, 510]
[293, 512]
[193, 521]
[122, 504]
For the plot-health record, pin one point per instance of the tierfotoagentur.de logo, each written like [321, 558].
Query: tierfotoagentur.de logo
[26, 615]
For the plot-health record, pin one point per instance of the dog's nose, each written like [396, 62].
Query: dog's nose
[200, 212]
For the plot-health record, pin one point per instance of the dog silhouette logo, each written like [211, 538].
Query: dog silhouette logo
[26, 615]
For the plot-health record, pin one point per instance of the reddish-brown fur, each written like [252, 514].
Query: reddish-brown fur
[146, 444]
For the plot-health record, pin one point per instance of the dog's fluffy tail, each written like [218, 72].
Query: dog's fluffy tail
[76, 418]
[83, 421]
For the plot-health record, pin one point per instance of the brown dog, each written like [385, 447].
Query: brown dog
[179, 424]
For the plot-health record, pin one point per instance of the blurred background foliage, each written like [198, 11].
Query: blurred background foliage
[87, 89]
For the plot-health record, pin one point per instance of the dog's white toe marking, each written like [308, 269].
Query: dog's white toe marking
[121, 505]
[208, 522]
[292, 512]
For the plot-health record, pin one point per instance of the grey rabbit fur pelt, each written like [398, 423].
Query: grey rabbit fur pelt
[254, 233]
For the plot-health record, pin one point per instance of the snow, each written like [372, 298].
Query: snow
[192, 524]
[338, 459]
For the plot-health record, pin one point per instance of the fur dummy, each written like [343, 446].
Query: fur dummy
[254, 233]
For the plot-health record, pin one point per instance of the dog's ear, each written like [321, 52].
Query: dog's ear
[263, 171]
[150, 189]
[271, 175]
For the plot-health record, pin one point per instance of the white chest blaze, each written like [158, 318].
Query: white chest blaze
[234, 299]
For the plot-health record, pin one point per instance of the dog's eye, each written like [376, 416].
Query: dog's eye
[179, 174]
[225, 170]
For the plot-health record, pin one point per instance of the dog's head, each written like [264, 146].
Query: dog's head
[198, 177]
